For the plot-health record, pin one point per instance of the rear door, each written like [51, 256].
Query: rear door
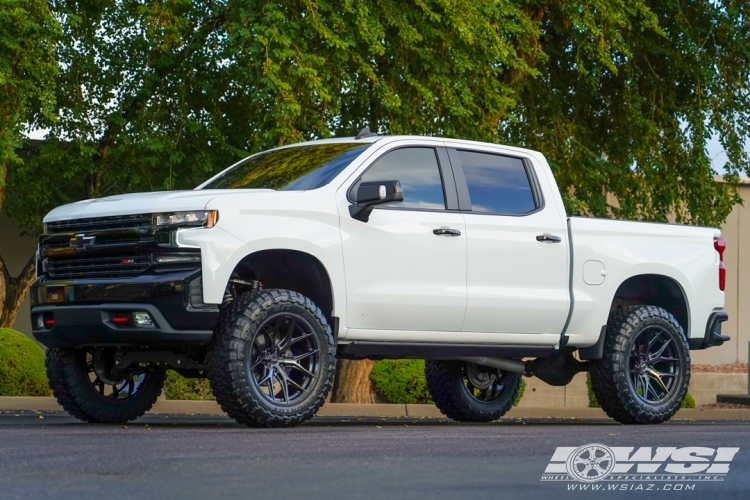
[517, 248]
[400, 275]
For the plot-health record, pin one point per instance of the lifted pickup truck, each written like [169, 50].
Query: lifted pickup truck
[456, 252]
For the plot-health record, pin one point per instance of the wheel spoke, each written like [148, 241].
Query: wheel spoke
[299, 357]
[294, 384]
[657, 377]
[660, 351]
[301, 337]
[288, 337]
[271, 391]
[295, 364]
[646, 386]
[662, 360]
[653, 340]
[284, 386]
[266, 375]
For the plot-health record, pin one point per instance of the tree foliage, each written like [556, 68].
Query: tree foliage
[28, 67]
[622, 96]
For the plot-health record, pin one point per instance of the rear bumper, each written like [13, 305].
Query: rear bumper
[713, 336]
[75, 314]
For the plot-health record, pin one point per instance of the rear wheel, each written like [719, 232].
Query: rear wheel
[644, 374]
[467, 392]
[83, 383]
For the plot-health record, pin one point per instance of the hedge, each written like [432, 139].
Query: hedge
[193, 389]
[402, 381]
[22, 371]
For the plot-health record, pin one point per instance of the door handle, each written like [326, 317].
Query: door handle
[451, 232]
[548, 237]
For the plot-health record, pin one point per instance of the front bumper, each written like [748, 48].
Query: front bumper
[713, 336]
[82, 313]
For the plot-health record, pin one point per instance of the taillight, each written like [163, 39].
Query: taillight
[720, 244]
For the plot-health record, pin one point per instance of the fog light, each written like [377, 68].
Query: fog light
[143, 320]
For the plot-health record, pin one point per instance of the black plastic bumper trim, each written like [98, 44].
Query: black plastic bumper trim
[713, 336]
[404, 350]
[87, 325]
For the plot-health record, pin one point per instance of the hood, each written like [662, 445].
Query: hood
[135, 203]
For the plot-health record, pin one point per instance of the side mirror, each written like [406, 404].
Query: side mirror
[370, 194]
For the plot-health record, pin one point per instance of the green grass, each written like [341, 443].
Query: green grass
[22, 371]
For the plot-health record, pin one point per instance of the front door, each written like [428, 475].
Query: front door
[400, 274]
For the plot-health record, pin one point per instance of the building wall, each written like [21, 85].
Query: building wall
[736, 230]
[16, 249]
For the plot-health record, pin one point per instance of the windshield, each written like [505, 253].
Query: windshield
[290, 169]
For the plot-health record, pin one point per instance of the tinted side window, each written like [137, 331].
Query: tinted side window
[419, 173]
[497, 184]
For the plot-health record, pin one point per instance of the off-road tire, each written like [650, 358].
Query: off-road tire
[71, 386]
[609, 376]
[445, 381]
[238, 321]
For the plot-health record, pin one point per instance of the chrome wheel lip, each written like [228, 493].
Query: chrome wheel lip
[493, 391]
[284, 372]
[653, 366]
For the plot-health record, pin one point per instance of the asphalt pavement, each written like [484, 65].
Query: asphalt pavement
[51, 455]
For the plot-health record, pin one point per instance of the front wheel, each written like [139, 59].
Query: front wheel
[467, 392]
[644, 374]
[83, 383]
[273, 359]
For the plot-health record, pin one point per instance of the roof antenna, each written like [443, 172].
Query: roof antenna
[365, 132]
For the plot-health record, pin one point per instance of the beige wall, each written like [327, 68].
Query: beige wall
[16, 249]
[736, 230]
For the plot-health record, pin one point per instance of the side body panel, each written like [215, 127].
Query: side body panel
[623, 249]
[305, 221]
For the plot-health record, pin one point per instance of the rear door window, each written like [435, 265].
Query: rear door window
[497, 184]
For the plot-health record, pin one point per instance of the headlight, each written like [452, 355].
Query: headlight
[205, 218]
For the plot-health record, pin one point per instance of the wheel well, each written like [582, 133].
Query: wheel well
[290, 270]
[654, 290]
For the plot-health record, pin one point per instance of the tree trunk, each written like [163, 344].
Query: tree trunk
[14, 290]
[352, 381]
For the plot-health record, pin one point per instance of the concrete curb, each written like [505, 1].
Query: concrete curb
[377, 410]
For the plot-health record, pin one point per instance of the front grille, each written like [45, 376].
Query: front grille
[119, 265]
[99, 224]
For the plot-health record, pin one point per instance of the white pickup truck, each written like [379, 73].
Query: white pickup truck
[456, 252]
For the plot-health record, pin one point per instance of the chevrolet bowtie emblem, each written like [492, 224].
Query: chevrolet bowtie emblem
[82, 242]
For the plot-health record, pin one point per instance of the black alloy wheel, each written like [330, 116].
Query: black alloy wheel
[654, 366]
[83, 383]
[283, 359]
[273, 359]
[644, 374]
[467, 392]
